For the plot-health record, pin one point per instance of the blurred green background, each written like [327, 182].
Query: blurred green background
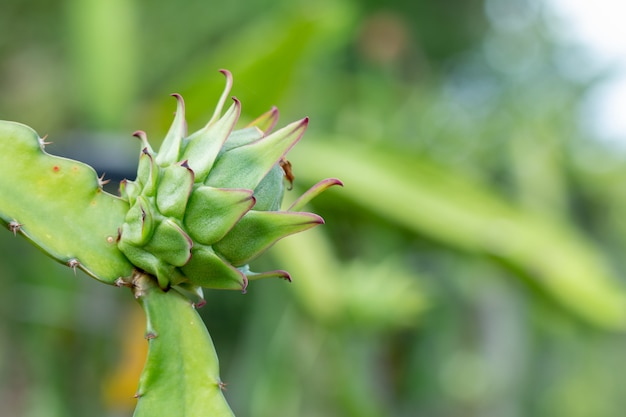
[471, 266]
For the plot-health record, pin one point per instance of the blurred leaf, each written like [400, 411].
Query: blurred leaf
[104, 51]
[450, 208]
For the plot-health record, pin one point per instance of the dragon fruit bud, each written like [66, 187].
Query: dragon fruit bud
[205, 204]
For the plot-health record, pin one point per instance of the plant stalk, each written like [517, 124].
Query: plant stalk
[181, 374]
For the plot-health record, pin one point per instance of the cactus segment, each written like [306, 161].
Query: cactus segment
[212, 212]
[181, 373]
[258, 230]
[59, 205]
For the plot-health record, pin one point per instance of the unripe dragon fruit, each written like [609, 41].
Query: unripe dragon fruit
[207, 203]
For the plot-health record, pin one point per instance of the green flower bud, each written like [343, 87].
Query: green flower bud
[206, 204]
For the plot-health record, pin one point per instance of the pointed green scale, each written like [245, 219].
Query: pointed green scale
[170, 148]
[313, 192]
[181, 373]
[139, 224]
[258, 230]
[269, 193]
[207, 269]
[58, 204]
[147, 173]
[170, 243]
[279, 273]
[129, 190]
[242, 137]
[203, 146]
[174, 189]
[245, 166]
[212, 212]
[266, 121]
[254, 131]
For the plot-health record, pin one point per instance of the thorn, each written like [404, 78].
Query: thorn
[73, 263]
[121, 282]
[222, 385]
[244, 287]
[137, 293]
[199, 304]
[15, 227]
[102, 181]
[137, 395]
[43, 143]
[150, 336]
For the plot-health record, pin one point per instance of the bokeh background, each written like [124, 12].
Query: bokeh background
[471, 266]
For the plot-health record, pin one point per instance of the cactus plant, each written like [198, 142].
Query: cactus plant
[199, 210]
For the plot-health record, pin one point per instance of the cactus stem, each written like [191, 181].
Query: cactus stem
[73, 263]
[14, 226]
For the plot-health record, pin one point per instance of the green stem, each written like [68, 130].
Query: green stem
[181, 374]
